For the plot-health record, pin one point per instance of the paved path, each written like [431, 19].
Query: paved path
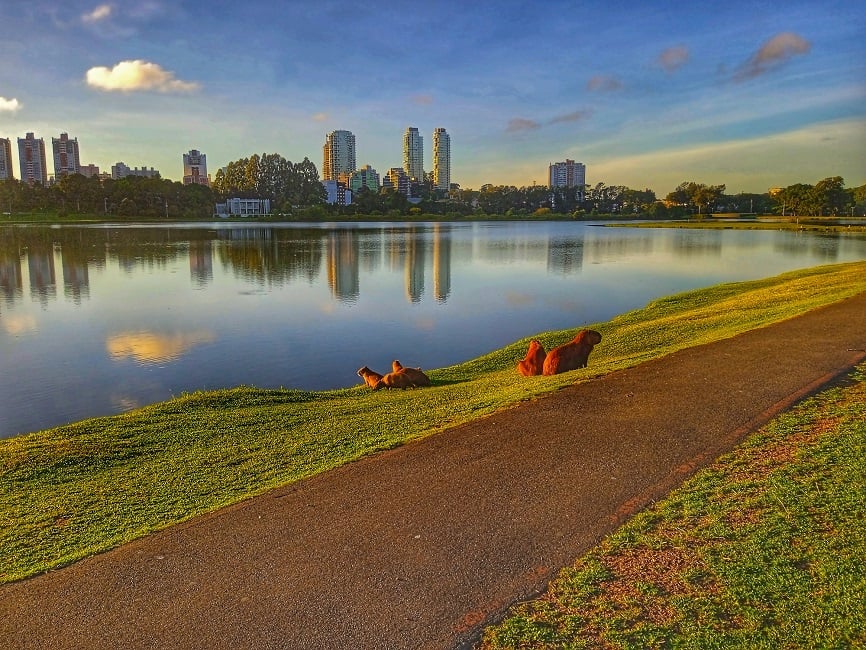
[420, 546]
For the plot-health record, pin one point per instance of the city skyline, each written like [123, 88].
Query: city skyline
[745, 94]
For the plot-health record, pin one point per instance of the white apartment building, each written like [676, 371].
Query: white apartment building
[195, 168]
[413, 154]
[243, 208]
[6, 172]
[441, 159]
[66, 156]
[339, 158]
[31, 160]
[567, 174]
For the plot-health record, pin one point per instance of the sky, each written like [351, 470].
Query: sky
[751, 94]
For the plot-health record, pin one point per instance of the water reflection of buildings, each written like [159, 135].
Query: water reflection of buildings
[441, 262]
[11, 280]
[40, 267]
[201, 262]
[343, 265]
[414, 267]
[76, 277]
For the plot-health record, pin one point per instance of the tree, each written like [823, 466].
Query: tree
[696, 195]
[831, 197]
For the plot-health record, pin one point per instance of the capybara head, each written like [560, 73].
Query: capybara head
[588, 336]
[396, 366]
[533, 362]
[371, 377]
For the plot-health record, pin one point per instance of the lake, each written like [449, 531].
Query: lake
[101, 319]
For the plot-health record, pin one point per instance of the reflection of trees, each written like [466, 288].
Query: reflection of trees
[565, 255]
[697, 243]
[598, 249]
[825, 246]
[269, 256]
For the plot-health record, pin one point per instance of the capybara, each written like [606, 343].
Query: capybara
[571, 355]
[415, 375]
[371, 377]
[533, 362]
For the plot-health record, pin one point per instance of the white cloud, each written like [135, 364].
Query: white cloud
[100, 13]
[137, 75]
[9, 105]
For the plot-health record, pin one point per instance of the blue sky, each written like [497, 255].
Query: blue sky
[646, 94]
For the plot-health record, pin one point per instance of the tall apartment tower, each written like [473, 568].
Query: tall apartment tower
[338, 156]
[66, 159]
[441, 159]
[31, 159]
[6, 173]
[567, 174]
[195, 168]
[413, 154]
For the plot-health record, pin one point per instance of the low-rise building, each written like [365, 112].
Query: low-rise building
[243, 208]
[338, 193]
[120, 170]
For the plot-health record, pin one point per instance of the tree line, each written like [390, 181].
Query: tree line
[295, 189]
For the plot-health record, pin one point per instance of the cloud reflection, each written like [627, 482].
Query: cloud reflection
[150, 347]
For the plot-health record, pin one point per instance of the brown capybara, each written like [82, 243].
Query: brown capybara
[371, 377]
[533, 362]
[415, 375]
[571, 355]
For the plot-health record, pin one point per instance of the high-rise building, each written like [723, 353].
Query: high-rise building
[567, 174]
[413, 154]
[66, 158]
[195, 168]
[338, 156]
[31, 159]
[6, 173]
[441, 159]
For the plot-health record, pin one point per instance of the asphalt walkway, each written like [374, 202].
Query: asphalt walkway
[419, 547]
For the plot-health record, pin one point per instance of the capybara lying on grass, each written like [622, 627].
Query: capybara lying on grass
[415, 375]
[400, 377]
[571, 355]
[533, 362]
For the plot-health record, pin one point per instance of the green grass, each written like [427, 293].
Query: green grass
[764, 549]
[76, 490]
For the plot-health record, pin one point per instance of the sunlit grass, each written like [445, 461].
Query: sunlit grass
[69, 492]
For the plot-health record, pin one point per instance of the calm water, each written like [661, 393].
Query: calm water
[99, 320]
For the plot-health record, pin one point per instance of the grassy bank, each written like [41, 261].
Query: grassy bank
[764, 549]
[76, 490]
